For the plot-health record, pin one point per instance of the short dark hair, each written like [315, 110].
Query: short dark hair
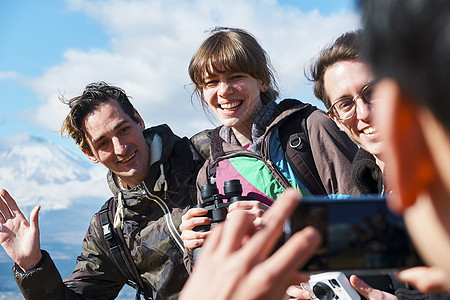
[409, 41]
[346, 47]
[232, 50]
[93, 96]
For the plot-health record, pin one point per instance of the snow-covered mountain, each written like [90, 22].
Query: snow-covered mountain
[35, 159]
[68, 188]
[37, 171]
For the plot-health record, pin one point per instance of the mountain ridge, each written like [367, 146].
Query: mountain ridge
[37, 171]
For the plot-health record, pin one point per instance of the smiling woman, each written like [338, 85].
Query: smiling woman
[261, 140]
[235, 100]
[233, 76]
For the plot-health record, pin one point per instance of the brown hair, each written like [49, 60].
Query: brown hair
[346, 47]
[232, 50]
[93, 96]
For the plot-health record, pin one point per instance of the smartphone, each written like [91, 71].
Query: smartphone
[359, 233]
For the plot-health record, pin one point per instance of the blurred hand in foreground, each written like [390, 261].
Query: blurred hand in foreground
[427, 279]
[235, 264]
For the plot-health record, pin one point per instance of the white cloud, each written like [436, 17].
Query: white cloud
[9, 75]
[151, 43]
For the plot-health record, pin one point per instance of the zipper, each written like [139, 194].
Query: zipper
[283, 180]
[167, 216]
[265, 153]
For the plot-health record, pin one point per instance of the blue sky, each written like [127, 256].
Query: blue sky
[56, 47]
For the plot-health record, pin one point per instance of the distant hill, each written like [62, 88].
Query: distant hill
[37, 171]
[69, 189]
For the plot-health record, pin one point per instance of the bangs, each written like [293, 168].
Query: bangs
[231, 51]
[229, 62]
[225, 58]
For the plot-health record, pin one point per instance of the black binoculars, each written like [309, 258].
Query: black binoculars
[213, 201]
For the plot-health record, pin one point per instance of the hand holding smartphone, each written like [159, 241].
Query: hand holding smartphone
[359, 233]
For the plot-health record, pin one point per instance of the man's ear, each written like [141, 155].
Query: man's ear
[141, 122]
[89, 155]
[409, 169]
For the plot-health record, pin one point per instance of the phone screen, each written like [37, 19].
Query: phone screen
[358, 233]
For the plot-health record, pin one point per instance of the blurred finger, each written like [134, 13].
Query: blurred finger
[236, 228]
[258, 222]
[300, 277]
[360, 286]
[248, 205]
[427, 279]
[295, 252]
[272, 224]
[34, 217]
[212, 243]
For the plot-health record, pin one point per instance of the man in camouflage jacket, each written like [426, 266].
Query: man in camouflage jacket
[152, 176]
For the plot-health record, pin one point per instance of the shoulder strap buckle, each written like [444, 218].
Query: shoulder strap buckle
[295, 141]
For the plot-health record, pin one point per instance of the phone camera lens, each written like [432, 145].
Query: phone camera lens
[323, 291]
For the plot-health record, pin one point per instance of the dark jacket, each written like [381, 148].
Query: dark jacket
[150, 226]
[366, 174]
[332, 150]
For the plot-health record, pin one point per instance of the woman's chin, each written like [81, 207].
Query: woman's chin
[229, 121]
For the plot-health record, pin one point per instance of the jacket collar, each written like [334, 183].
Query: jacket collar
[161, 140]
[270, 115]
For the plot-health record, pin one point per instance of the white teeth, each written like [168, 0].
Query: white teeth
[128, 158]
[369, 130]
[230, 106]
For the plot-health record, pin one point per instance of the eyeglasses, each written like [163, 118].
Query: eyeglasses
[345, 108]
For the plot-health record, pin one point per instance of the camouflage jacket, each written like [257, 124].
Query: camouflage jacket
[151, 222]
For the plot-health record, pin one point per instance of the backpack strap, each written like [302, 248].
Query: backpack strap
[216, 151]
[295, 143]
[216, 146]
[118, 250]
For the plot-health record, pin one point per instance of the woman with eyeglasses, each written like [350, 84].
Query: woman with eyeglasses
[344, 83]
